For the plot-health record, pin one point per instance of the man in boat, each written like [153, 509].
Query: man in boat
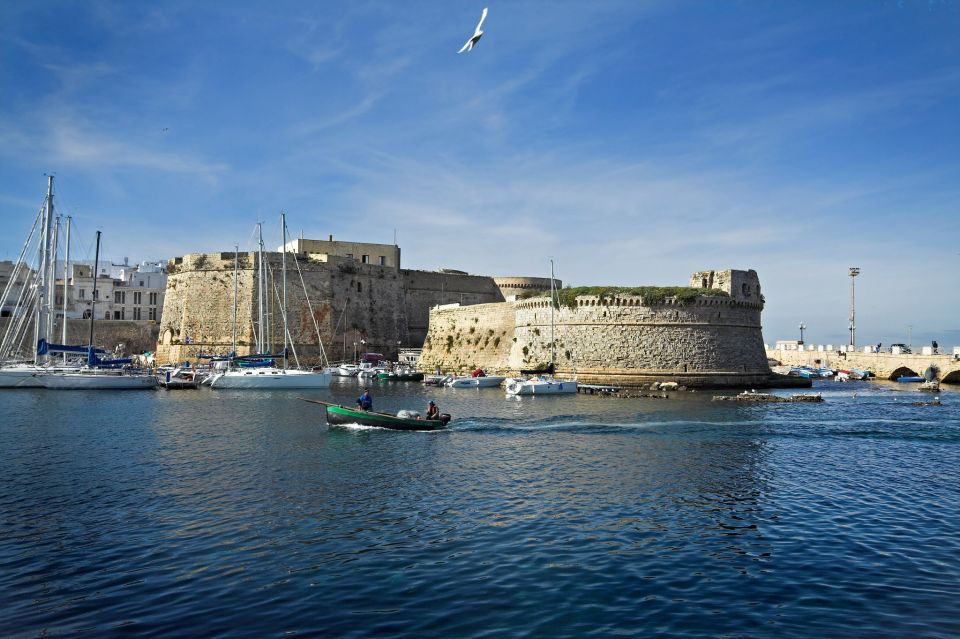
[433, 412]
[365, 401]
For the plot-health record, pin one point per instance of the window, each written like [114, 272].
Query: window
[116, 315]
[136, 312]
[141, 283]
[120, 297]
[106, 315]
[96, 295]
[153, 298]
[153, 313]
[383, 261]
[365, 259]
[359, 287]
[138, 298]
[82, 294]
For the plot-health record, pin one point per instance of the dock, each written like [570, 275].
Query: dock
[593, 389]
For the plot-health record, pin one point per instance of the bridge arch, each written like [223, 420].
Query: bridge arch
[953, 377]
[903, 371]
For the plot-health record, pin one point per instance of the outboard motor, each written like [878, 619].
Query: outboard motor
[444, 418]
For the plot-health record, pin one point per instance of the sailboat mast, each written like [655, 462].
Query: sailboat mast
[43, 310]
[93, 302]
[236, 264]
[261, 341]
[283, 311]
[52, 279]
[553, 341]
[66, 281]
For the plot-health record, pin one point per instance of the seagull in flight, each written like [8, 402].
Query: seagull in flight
[476, 34]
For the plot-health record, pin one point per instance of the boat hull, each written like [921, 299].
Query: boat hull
[271, 378]
[541, 387]
[400, 377]
[342, 416]
[19, 377]
[489, 381]
[97, 381]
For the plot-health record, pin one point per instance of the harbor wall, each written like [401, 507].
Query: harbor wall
[136, 336]
[462, 338]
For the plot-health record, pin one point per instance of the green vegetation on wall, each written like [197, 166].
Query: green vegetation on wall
[652, 295]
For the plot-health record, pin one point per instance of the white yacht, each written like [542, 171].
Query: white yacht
[486, 381]
[270, 377]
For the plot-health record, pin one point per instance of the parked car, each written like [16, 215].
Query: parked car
[903, 348]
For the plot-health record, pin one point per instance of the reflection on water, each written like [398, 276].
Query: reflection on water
[242, 513]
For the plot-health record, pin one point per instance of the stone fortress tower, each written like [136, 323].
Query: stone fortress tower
[357, 298]
[708, 340]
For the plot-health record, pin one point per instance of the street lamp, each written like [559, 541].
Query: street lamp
[802, 328]
[854, 271]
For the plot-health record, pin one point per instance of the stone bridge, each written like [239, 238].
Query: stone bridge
[885, 365]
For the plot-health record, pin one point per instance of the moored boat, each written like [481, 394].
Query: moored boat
[487, 381]
[400, 376]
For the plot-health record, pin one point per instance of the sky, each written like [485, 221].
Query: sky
[633, 143]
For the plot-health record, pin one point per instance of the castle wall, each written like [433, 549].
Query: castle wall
[714, 341]
[463, 338]
[426, 289]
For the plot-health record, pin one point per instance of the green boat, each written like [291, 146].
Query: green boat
[400, 377]
[341, 415]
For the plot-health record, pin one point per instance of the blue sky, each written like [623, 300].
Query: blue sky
[634, 142]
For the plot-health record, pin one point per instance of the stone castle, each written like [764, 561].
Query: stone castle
[354, 294]
[356, 298]
[703, 341]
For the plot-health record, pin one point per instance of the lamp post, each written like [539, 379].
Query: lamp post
[802, 328]
[854, 271]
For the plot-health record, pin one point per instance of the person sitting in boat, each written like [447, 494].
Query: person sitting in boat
[433, 412]
[365, 401]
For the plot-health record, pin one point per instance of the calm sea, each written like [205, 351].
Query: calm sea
[241, 514]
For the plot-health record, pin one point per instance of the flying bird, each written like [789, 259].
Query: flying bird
[476, 34]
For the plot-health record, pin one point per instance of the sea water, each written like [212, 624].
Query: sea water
[242, 514]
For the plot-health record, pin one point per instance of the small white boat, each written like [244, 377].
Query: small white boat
[180, 378]
[98, 379]
[346, 370]
[542, 385]
[487, 381]
[270, 377]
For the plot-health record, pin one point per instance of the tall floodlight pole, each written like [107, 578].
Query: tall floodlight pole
[803, 327]
[854, 271]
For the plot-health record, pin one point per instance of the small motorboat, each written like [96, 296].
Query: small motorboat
[181, 378]
[487, 381]
[400, 376]
[910, 378]
[342, 416]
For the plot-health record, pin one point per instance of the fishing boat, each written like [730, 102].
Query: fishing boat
[342, 416]
[545, 384]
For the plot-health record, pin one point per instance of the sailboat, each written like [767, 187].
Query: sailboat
[34, 301]
[98, 374]
[268, 376]
[545, 384]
